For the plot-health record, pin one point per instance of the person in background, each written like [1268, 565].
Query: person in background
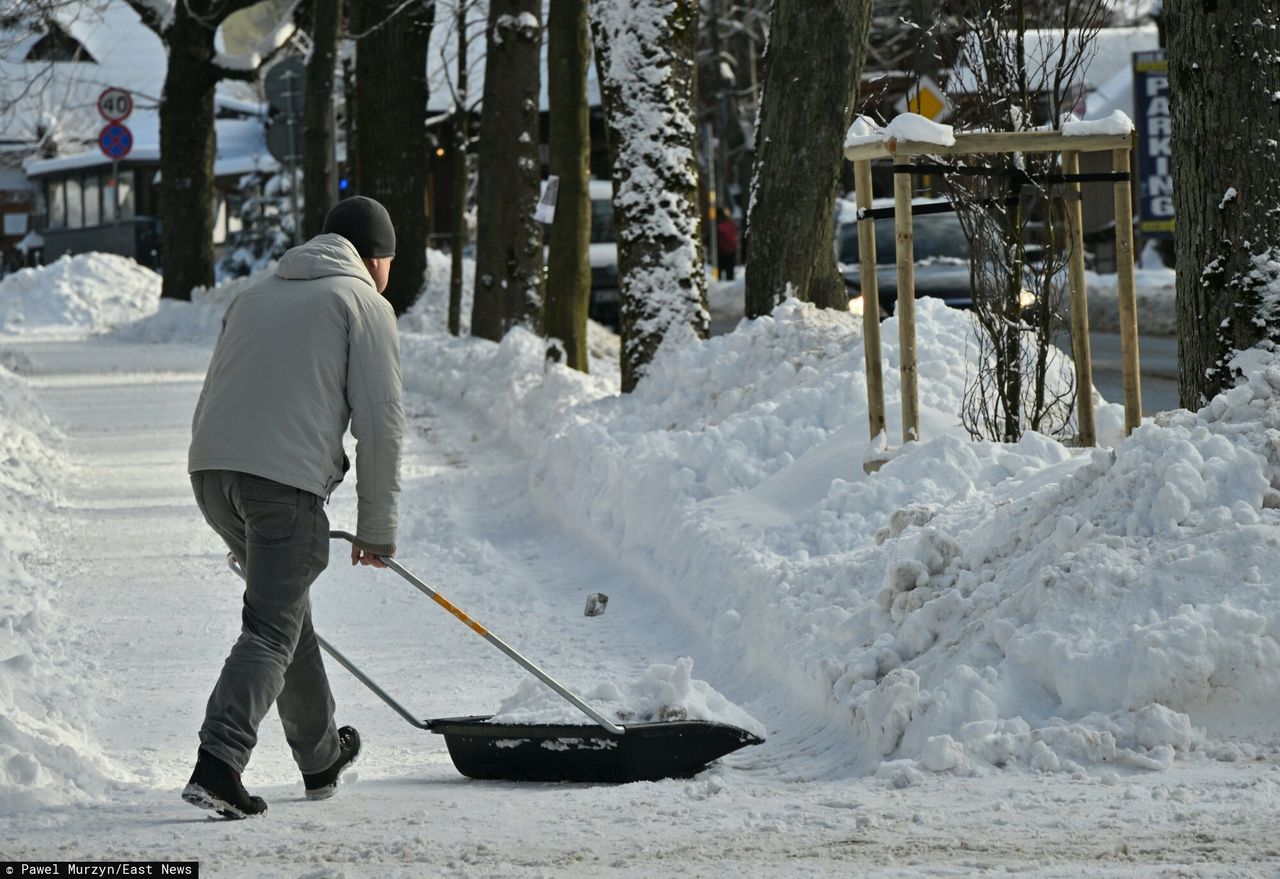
[726, 244]
[301, 355]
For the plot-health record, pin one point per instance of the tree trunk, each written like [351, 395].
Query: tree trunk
[461, 181]
[809, 95]
[569, 265]
[645, 54]
[509, 261]
[1223, 79]
[391, 88]
[186, 157]
[349, 120]
[318, 185]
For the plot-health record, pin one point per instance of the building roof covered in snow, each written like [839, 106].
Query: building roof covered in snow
[50, 96]
[1108, 55]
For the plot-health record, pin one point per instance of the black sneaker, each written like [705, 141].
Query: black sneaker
[215, 785]
[324, 784]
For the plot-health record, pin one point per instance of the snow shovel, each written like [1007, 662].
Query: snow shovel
[604, 751]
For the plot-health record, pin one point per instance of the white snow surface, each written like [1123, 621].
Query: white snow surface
[1026, 644]
[864, 130]
[46, 755]
[919, 129]
[86, 292]
[1117, 123]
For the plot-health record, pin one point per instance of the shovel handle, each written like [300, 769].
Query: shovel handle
[493, 639]
[350, 666]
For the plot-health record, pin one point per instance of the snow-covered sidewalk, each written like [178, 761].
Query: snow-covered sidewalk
[985, 656]
[148, 610]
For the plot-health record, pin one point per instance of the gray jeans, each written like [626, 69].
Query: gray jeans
[280, 536]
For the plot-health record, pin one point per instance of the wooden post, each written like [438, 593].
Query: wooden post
[1079, 304]
[1128, 301]
[870, 300]
[906, 307]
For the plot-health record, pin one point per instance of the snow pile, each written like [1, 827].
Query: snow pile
[663, 693]
[86, 292]
[45, 757]
[430, 311]
[971, 605]
[198, 321]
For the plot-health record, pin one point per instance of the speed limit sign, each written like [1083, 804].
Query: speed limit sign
[115, 105]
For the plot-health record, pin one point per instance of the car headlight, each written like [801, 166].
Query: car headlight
[1026, 298]
[855, 305]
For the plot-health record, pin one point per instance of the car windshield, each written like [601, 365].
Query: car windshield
[934, 236]
[602, 221]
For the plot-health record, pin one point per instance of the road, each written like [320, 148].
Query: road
[1157, 360]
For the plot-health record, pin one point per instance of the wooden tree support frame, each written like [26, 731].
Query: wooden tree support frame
[968, 144]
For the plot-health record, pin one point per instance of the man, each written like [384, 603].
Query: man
[301, 355]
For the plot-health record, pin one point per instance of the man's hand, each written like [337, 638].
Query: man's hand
[364, 557]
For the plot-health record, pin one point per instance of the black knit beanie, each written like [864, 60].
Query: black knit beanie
[366, 224]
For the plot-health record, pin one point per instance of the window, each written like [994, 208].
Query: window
[57, 207]
[75, 203]
[92, 212]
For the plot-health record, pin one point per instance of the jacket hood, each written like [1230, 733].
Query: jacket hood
[325, 256]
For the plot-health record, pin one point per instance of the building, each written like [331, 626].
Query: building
[56, 184]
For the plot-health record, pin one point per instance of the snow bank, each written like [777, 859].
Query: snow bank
[973, 605]
[663, 693]
[45, 756]
[431, 310]
[198, 321]
[90, 292]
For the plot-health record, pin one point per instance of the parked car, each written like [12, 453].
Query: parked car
[941, 257]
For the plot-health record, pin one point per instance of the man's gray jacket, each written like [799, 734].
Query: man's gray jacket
[301, 354]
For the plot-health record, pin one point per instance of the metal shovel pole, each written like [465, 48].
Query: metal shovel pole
[350, 666]
[493, 639]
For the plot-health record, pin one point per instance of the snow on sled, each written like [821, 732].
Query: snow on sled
[604, 751]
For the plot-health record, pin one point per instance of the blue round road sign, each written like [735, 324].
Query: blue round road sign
[115, 141]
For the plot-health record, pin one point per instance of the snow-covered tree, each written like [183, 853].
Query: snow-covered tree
[509, 261]
[645, 56]
[1224, 83]
[195, 67]
[266, 224]
[812, 70]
